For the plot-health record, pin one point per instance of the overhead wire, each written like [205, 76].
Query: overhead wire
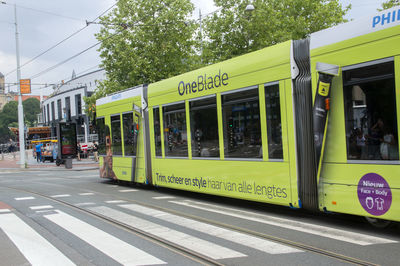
[60, 42]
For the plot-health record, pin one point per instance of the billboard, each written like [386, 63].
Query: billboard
[66, 134]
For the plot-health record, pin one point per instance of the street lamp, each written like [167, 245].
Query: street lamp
[249, 8]
[20, 107]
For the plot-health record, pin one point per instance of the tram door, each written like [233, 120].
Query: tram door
[132, 143]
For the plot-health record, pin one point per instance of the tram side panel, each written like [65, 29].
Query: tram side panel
[181, 159]
[361, 162]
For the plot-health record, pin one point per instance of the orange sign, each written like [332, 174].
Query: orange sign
[25, 85]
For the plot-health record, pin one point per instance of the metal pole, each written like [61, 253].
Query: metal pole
[20, 107]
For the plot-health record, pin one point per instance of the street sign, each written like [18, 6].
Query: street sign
[25, 85]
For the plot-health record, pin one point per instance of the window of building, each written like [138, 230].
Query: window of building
[129, 134]
[53, 112]
[103, 132]
[274, 130]
[241, 124]
[44, 114]
[370, 111]
[59, 109]
[175, 137]
[204, 127]
[48, 113]
[68, 108]
[116, 143]
[78, 104]
[157, 130]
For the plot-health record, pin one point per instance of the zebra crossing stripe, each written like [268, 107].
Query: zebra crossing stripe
[236, 237]
[25, 198]
[113, 247]
[36, 249]
[115, 201]
[61, 196]
[324, 231]
[163, 197]
[41, 207]
[127, 190]
[201, 246]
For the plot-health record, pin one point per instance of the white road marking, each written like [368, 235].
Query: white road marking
[115, 248]
[230, 235]
[86, 194]
[41, 207]
[61, 196]
[85, 204]
[80, 176]
[25, 198]
[164, 197]
[127, 190]
[115, 201]
[338, 234]
[36, 249]
[194, 243]
[4, 210]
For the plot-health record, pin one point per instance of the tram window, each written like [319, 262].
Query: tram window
[204, 127]
[175, 137]
[242, 131]
[157, 130]
[370, 113]
[129, 134]
[102, 133]
[116, 143]
[274, 130]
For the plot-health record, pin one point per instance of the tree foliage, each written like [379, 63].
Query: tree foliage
[31, 109]
[232, 31]
[9, 116]
[144, 41]
[389, 4]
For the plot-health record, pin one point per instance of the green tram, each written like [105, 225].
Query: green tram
[306, 123]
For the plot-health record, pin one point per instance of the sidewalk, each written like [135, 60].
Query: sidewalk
[8, 161]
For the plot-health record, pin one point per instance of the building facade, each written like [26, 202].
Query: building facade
[67, 105]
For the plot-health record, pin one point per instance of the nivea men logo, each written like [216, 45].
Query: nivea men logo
[386, 18]
[116, 97]
[203, 82]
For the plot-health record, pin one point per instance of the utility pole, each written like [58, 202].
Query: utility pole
[20, 107]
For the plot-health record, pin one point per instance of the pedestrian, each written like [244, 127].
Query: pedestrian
[38, 148]
[78, 151]
[95, 152]
[11, 148]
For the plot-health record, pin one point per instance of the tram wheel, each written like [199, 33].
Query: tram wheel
[378, 223]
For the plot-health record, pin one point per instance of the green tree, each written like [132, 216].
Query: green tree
[232, 31]
[8, 116]
[389, 4]
[31, 109]
[145, 41]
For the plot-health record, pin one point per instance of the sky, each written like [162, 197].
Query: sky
[44, 23]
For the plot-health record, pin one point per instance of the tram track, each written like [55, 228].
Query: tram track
[187, 252]
[190, 254]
